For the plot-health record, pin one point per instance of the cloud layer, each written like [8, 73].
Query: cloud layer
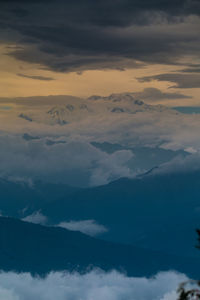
[57, 145]
[74, 162]
[95, 285]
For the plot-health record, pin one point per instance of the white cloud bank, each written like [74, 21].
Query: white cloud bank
[39, 150]
[89, 227]
[95, 285]
[73, 162]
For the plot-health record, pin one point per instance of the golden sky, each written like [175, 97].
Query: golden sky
[83, 48]
[90, 82]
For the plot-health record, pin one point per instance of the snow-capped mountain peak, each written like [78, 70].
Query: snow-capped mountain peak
[75, 110]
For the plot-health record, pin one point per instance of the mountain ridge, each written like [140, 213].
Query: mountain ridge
[27, 247]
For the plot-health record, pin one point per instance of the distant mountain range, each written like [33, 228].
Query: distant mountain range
[149, 220]
[157, 212]
[69, 110]
[26, 247]
[145, 158]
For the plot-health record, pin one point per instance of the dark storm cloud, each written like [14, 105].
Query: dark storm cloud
[117, 12]
[35, 77]
[80, 35]
[181, 80]
[191, 70]
[153, 94]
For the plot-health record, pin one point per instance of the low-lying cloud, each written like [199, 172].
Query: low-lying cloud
[179, 164]
[73, 162]
[95, 285]
[36, 218]
[90, 227]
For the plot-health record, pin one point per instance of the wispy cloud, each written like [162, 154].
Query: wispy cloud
[36, 77]
[184, 81]
[36, 218]
[90, 227]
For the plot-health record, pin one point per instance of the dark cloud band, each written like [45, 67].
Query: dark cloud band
[80, 35]
[35, 77]
[181, 80]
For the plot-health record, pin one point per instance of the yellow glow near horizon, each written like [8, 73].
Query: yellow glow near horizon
[89, 83]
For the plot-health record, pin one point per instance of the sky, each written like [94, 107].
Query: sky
[88, 90]
[82, 48]
[132, 50]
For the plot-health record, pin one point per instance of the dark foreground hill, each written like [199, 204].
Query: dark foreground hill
[159, 212]
[26, 247]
